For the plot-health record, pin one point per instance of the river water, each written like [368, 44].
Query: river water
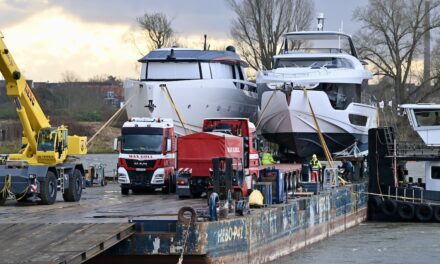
[370, 242]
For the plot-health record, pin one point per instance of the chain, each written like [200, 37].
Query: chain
[184, 242]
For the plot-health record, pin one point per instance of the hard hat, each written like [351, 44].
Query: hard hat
[256, 198]
[314, 156]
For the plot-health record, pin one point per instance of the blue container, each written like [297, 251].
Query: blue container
[276, 177]
[266, 189]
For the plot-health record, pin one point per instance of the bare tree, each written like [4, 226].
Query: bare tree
[69, 76]
[158, 29]
[259, 25]
[391, 40]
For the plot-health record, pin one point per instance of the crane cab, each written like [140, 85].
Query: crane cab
[52, 145]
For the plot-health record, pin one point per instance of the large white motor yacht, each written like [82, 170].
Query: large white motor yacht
[192, 84]
[324, 63]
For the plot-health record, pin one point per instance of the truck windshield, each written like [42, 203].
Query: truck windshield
[142, 144]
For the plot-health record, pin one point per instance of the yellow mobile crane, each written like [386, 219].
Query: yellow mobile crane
[47, 161]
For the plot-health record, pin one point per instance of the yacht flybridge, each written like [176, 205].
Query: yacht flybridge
[324, 63]
[191, 85]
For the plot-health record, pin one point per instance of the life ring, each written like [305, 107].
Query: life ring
[374, 204]
[424, 212]
[389, 207]
[405, 210]
[437, 213]
[183, 215]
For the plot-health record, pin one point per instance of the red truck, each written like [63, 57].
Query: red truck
[233, 138]
[146, 159]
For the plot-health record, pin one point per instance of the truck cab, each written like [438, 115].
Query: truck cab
[146, 159]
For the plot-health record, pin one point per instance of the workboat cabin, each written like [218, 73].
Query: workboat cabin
[425, 120]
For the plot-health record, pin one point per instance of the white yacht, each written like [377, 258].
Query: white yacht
[192, 84]
[324, 63]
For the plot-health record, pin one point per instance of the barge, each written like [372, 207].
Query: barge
[139, 227]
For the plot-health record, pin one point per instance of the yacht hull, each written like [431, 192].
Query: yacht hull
[289, 122]
[195, 100]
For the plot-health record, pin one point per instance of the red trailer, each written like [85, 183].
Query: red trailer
[194, 159]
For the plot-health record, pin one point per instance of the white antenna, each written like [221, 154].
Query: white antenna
[296, 28]
[320, 21]
[342, 26]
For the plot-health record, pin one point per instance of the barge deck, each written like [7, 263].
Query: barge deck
[99, 223]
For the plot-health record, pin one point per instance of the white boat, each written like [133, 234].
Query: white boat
[324, 63]
[197, 84]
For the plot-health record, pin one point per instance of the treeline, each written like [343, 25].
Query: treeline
[73, 104]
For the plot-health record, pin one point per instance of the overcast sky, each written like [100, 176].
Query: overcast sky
[94, 37]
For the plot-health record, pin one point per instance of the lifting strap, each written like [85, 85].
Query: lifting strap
[321, 138]
[264, 109]
[113, 117]
[167, 92]
[327, 153]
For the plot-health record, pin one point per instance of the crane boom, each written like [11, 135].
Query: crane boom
[29, 111]
[37, 130]
[41, 167]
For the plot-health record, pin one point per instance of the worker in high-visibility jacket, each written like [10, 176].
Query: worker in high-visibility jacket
[315, 166]
[267, 159]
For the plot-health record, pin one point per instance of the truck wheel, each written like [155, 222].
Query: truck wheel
[125, 190]
[166, 189]
[74, 190]
[173, 183]
[48, 193]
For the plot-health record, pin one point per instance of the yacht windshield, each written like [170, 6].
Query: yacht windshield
[327, 62]
[171, 70]
[318, 43]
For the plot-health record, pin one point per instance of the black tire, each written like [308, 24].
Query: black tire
[48, 193]
[194, 193]
[389, 207]
[125, 190]
[424, 212]
[374, 204]
[102, 183]
[436, 213]
[73, 192]
[405, 211]
[2, 199]
[173, 183]
[166, 189]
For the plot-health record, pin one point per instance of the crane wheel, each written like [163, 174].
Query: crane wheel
[48, 193]
[2, 199]
[74, 190]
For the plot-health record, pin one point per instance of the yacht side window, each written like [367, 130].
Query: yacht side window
[206, 70]
[221, 71]
[427, 117]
